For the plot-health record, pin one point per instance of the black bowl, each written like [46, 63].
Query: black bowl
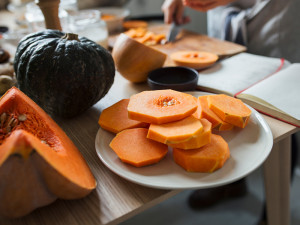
[178, 78]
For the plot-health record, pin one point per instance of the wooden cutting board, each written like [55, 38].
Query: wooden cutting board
[188, 40]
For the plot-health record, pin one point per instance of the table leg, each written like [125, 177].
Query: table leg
[277, 170]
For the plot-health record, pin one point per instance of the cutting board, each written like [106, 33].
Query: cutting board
[188, 40]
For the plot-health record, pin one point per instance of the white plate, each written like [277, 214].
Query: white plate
[249, 148]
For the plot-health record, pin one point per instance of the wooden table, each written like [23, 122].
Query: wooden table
[116, 199]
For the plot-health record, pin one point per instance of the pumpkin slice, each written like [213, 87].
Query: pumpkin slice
[161, 106]
[38, 162]
[207, 113]
[194, 59]
[133, 147]
[115, 118]
[175, 132]
[206, 159]
[198, 140]
[229, 109]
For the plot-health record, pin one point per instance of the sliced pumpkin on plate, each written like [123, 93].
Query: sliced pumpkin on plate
[38, 162]
[161, 106]
[115, 118]
[206, 159]
[133, 147]
[229, 109]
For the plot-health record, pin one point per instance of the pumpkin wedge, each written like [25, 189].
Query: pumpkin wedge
[161, 106]
[198, 140]
[175, 132]
[115, 118]
[206, 159]
[207, 113]
[229, 109]
[133, 147]
[38, 162]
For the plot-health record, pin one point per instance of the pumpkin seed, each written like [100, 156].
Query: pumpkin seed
[22, 117]
[3, 118]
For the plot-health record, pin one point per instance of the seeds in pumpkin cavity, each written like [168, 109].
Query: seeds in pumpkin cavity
[3, 118]
[22, 117]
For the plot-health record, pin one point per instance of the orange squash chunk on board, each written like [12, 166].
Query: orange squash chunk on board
[115, 118]
[174, 132]
[161, 106]
[194, 59]
[198, 140]
[229, 109]
[133, 147]
[206, 159]
[207, 113]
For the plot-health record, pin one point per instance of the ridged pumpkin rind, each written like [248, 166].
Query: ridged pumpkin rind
[64, 77]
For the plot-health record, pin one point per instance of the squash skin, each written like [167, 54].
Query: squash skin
[64, 77]
[38, 162]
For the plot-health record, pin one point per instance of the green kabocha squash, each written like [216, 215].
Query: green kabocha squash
[63, 73]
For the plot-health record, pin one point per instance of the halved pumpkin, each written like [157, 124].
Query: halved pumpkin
[115, 118]
[38, 162]
[161, 106]
[206, 159]
[229, 109]
[175, 132]
[194, 59]
[197, 141]
[135, 60]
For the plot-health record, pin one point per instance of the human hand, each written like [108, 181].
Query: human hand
[205, 5]
[173, 12]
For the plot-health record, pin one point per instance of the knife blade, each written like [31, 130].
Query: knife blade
[174, 30]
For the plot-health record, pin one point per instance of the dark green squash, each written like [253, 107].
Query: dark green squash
[62, 73]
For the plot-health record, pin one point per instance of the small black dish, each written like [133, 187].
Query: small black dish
[177, 78]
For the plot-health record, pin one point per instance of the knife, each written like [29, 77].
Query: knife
[174, 30]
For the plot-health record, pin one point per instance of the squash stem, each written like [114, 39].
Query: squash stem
[70, 37]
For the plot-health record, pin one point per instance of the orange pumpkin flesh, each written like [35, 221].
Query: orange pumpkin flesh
[132, 24]
[208, 114]
[194, 59]
[135, 60]
[175, 132]
[197, 141]
[115, 118]
[51, 165]
[133, 147]
[229, 109]
[161, 106]
[206, 159]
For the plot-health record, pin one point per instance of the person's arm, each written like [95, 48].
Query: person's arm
[173, 12]
[205, 5]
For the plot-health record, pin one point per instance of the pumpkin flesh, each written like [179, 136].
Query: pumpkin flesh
[37, 144]
[161, 106]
